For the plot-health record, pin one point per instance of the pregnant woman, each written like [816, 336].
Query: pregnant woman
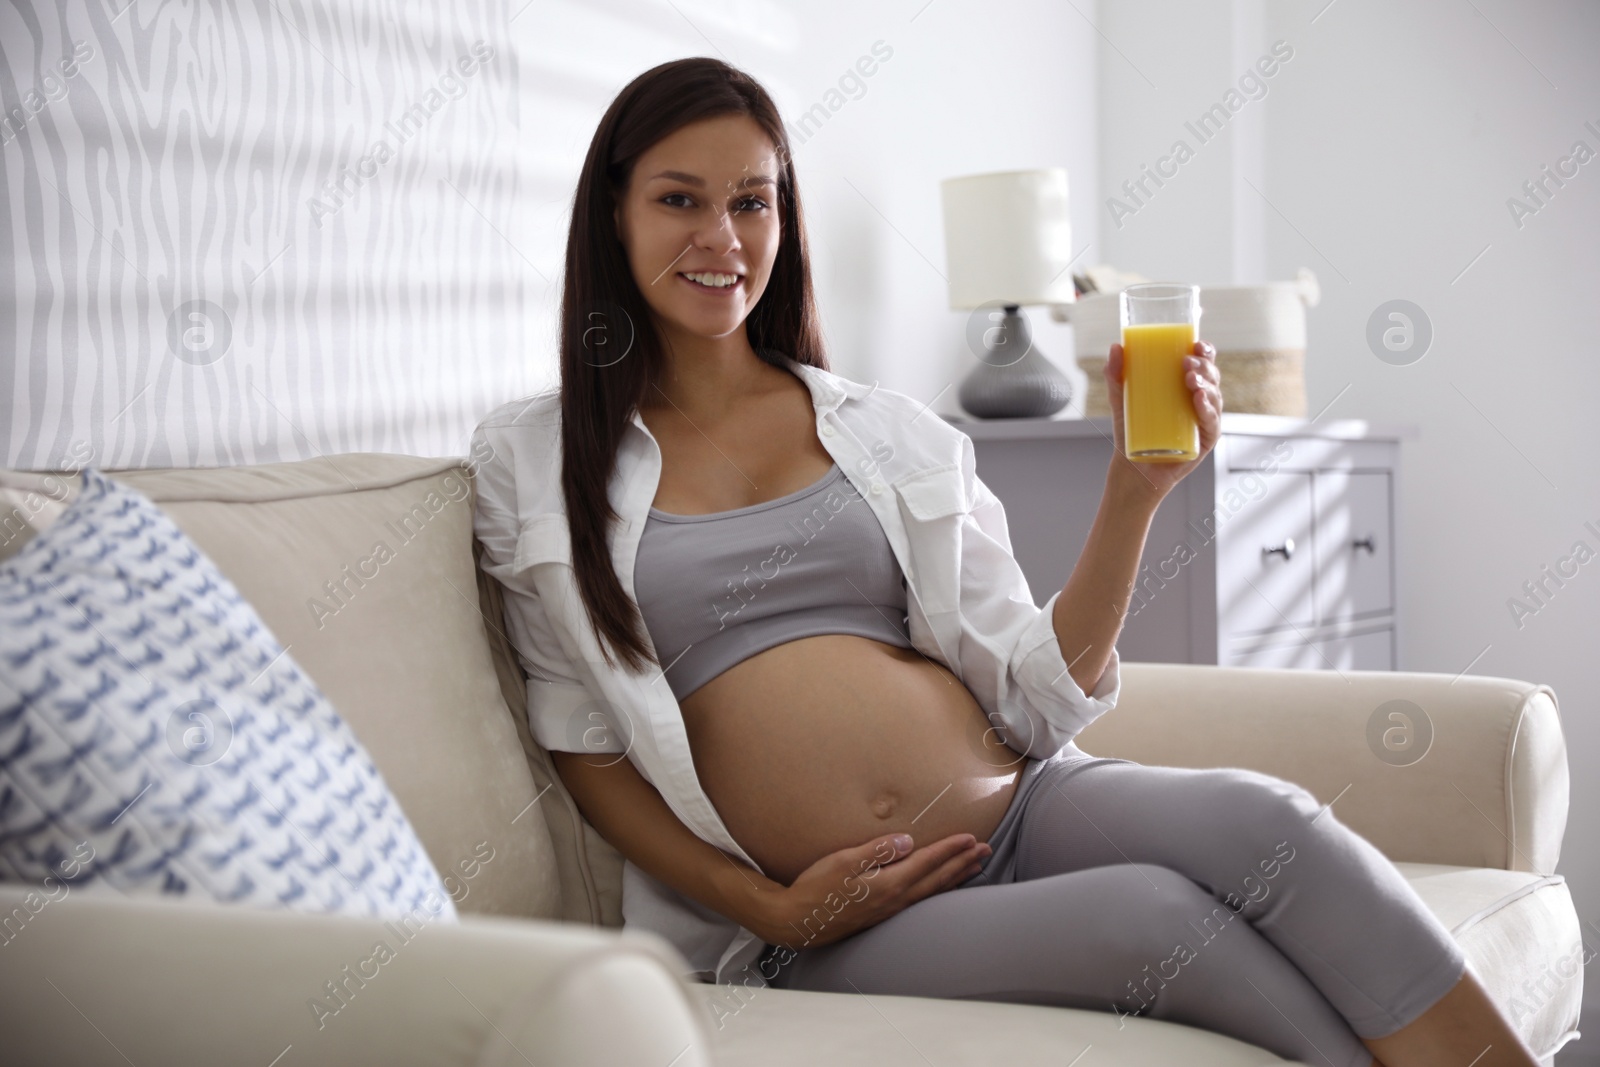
[785, 663]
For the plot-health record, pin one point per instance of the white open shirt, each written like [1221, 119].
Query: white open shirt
[968, 603]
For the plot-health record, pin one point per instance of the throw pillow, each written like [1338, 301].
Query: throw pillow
[155, 737]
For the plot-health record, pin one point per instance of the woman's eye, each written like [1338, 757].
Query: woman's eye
[755, 200]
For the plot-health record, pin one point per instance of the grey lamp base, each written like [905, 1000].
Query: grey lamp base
[1002, 386]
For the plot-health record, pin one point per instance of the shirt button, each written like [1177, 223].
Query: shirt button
[877, 487]
[827, 429]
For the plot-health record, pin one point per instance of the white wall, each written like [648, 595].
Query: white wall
[242, 233]
[970, 88]
[1392, 142]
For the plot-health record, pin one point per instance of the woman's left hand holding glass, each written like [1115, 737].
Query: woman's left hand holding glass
[1204, 382]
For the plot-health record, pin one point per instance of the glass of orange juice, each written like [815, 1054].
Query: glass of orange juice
[1160, 323]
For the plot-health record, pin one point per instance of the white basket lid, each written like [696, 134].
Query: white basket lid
[1232, 317]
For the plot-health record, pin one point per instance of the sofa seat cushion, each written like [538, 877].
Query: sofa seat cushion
[156, 738]
[1520, 933]
[799, 1028]
[362, 565]
[1506, 921]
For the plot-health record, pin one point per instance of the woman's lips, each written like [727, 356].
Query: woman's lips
[726, 290]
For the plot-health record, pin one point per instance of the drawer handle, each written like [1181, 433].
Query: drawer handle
[1287, 549]
[1367, 543]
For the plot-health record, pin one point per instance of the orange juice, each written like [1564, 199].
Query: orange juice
[1158, 418]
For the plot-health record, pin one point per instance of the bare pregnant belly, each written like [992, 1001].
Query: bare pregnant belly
[827, 742]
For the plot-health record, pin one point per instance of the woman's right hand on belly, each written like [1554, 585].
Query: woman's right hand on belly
[856, 888]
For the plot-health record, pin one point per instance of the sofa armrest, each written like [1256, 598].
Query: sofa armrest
[97, 978]
[1490, 789]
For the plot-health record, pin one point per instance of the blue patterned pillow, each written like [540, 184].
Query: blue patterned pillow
[156, 737]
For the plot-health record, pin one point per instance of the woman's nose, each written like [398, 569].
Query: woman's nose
[717, 233]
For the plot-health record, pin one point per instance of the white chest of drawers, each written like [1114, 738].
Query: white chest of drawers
[1278, 551]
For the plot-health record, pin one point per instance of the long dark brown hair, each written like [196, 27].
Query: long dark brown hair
[611, 353]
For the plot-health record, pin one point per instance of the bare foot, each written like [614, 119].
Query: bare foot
[1464, 1029]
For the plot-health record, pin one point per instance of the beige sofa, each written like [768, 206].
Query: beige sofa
[413, 653]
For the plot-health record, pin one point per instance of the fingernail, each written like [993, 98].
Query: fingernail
[902, 842]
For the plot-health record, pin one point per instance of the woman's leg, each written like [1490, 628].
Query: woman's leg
[1111, 938]
[1323, 895]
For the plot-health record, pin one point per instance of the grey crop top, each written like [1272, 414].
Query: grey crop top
[716, 589]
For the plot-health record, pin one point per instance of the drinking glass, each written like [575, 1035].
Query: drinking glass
[1160, 323]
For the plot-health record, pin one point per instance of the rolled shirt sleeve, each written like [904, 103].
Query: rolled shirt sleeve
[1010, 657]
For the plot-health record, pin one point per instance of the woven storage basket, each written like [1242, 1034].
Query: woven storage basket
[1259, 332]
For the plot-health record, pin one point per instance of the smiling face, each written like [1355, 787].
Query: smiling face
[703, 201]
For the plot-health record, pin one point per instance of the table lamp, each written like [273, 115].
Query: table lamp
[1007, 243]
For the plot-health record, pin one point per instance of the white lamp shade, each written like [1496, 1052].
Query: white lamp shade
[1008, 238]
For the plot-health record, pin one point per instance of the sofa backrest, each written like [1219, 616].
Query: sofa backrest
[364, 567]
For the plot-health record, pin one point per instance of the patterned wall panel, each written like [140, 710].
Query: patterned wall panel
[240, 231]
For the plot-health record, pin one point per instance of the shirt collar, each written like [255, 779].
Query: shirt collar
[828, 390]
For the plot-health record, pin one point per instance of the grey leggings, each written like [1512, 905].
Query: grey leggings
[1119, 887]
